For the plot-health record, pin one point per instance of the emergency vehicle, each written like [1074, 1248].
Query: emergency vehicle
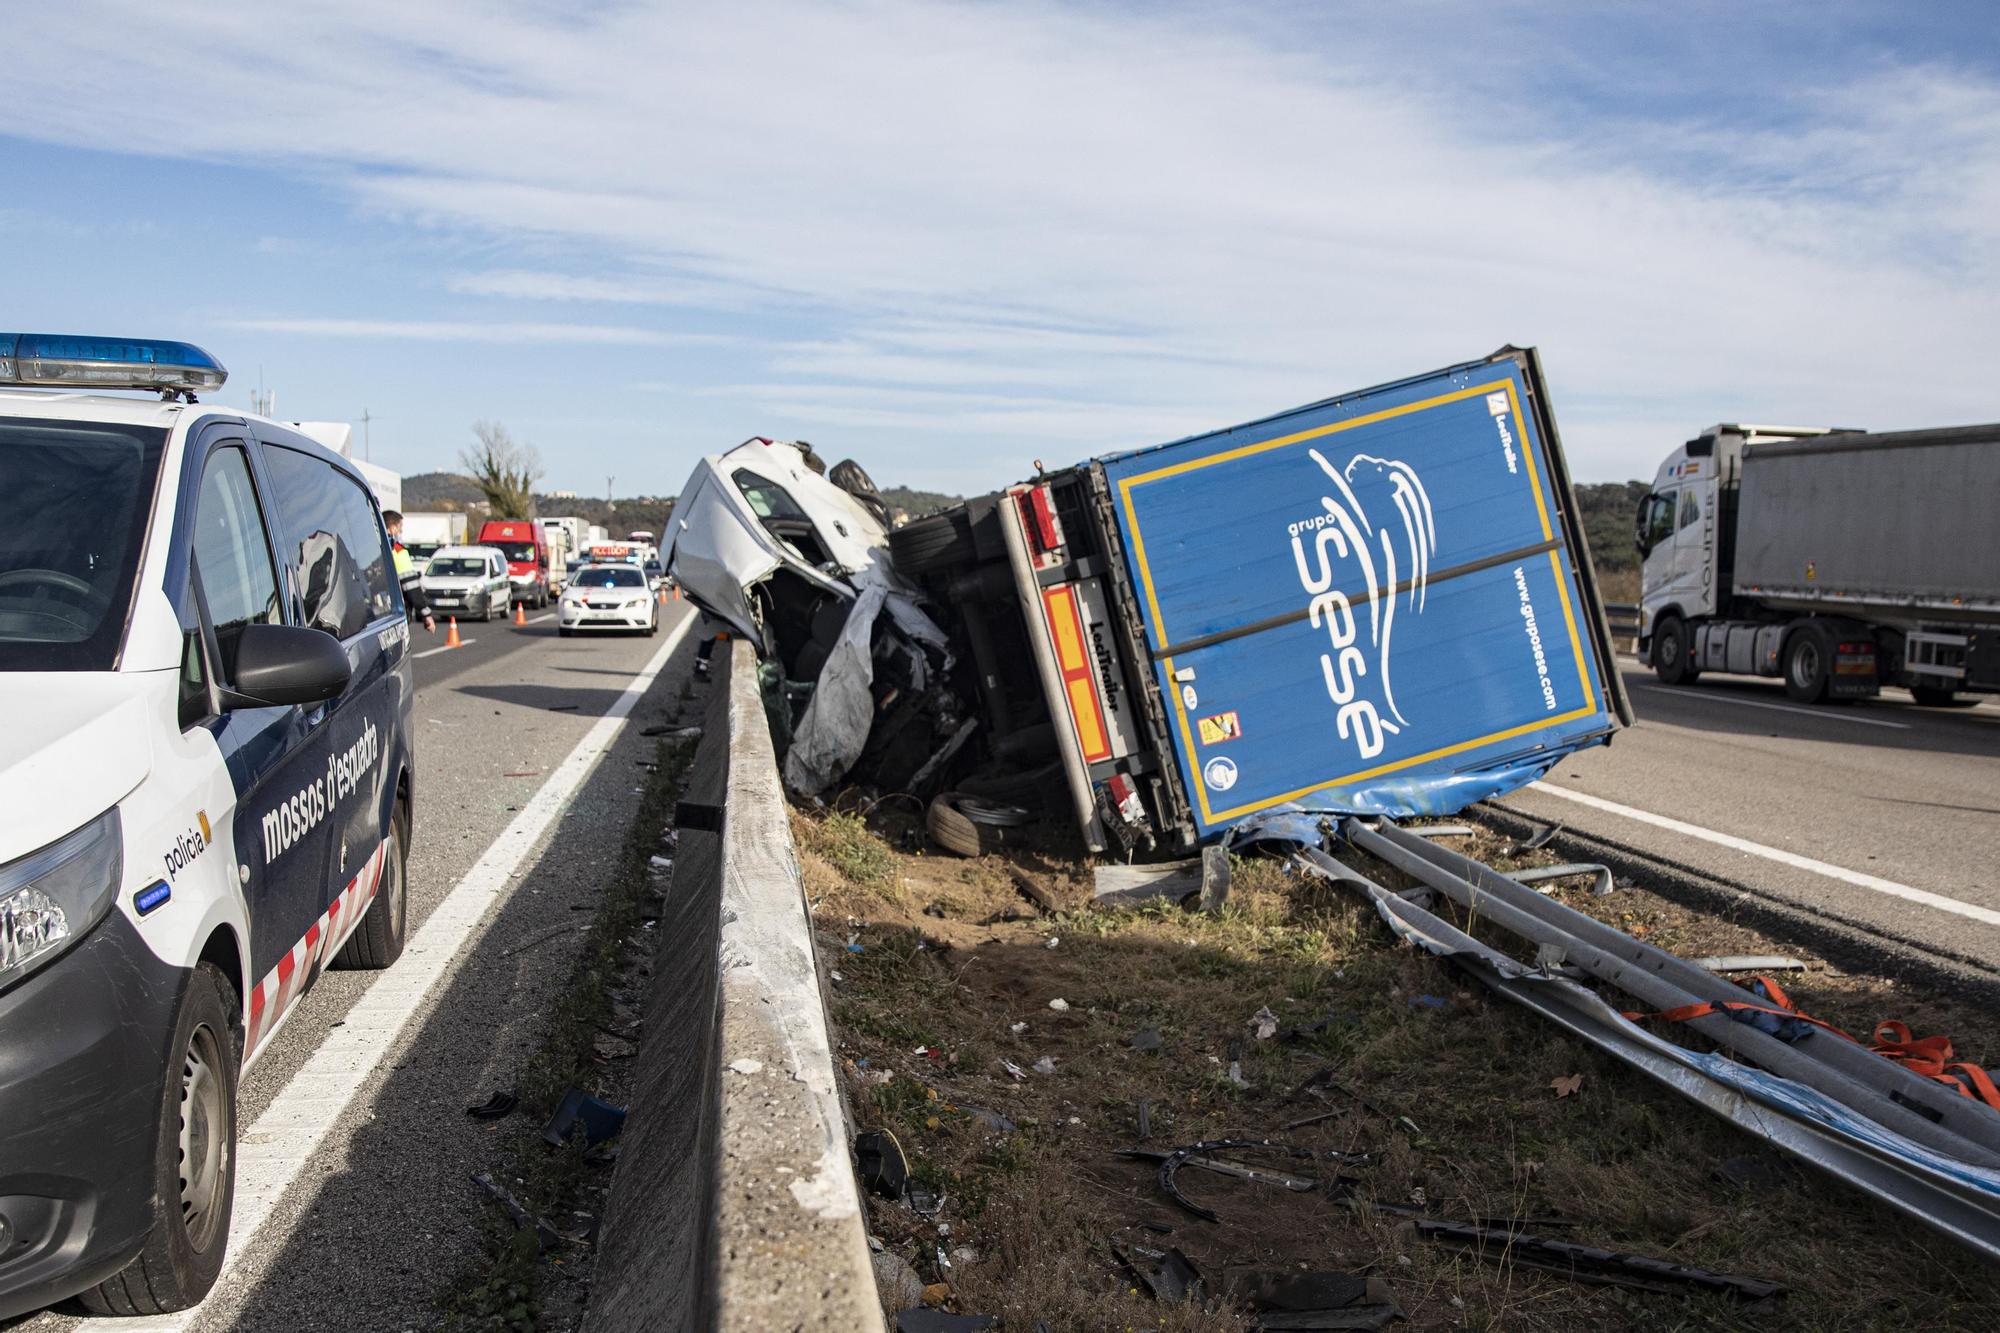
[207, 777]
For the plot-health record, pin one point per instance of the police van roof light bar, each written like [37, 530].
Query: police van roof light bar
[58, 361]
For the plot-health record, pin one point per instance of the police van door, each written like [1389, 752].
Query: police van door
[346, 579]
[276, 757]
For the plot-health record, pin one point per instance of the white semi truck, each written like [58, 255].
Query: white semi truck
[1839, 560]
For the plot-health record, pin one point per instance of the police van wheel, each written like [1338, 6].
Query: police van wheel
[194, 1172]
[378, 940]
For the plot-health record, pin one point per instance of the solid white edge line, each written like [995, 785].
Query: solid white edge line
[544, 616]
[271, 1154]
[441, 648]
[1827, 715]
[1855, 877]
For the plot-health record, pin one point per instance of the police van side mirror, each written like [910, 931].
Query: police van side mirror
[285, 664]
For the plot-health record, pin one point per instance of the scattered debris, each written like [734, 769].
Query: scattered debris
[937, 1293]
[937, 1321]
[1167, 1274]
[1147, 1039]
[672, 733]
[564, 708]
[1586, 1263]
[1236, 1074]
[1014, 1071]
[1751, 962]
[1316, 1300]
[1601, 882]
[1296, 1184]
[1031, 889]
[1264, 1023]
[496, 1107]
[1126, 886]
[661, 862]
[524, 773]
[1017, 1028]
[546, 1236]
[1059, 1004]
[746, 1066]
[1045, 1065]
[1428, 1002]
[1566, 1087]
[600, 1120]
[879, 1163]
[1179, 1157]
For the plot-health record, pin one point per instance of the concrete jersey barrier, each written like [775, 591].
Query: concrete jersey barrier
[734, 1205]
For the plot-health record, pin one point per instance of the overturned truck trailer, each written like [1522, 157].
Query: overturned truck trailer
[1380, 603]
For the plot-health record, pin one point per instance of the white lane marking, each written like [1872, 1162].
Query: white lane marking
[546, 615]
[1782, 857]
[1827, 714]
[288, 1137]
[441, 648]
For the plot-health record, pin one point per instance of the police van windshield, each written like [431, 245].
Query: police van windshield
[74, 499]
[456, 567]
[610, 576]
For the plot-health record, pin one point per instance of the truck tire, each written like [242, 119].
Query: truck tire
[928, 544]
[194, 1160]
[963, 834]
[1673, 652]
[1808, 663]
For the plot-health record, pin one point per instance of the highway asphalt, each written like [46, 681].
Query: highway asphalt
[1877, 822]
[372, 1224]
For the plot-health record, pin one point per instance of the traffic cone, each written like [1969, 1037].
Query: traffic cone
[520, 614]
[451, 635]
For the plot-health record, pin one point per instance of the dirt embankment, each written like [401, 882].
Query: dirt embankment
[1467, 1107]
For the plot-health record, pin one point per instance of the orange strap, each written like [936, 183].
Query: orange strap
[1929, 1057]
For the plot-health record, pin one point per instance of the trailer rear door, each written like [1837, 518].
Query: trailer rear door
[1375, 604]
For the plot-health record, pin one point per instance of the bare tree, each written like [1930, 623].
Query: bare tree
[504, 469]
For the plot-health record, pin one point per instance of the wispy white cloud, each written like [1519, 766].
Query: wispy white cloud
[476, 331]
[1105, 218]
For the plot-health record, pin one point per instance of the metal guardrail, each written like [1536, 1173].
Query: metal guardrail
[1623, 618]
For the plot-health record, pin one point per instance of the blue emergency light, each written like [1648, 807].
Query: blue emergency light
[56, 361]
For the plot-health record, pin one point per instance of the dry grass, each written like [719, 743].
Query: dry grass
[1467, 1125]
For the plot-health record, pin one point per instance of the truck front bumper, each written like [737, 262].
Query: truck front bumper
[83, 1057]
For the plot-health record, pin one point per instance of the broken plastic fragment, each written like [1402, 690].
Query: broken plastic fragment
[1265, 1023]
[1059, 1004]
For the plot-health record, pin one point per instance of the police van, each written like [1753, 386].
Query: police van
[205, 796]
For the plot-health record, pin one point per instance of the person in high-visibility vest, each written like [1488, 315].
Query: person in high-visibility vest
[407, 572]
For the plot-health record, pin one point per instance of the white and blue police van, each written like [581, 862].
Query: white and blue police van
[205, 787]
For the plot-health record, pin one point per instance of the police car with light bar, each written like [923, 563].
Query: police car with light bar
[206, 774]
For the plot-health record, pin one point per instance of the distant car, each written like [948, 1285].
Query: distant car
[604, 597]
[656, 574]
[470, 581]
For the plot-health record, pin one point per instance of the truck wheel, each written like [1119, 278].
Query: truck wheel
[378, 940]
[194, 1160]
[1808, 664]
[974, 830]
[1673, 652]
[926, 544]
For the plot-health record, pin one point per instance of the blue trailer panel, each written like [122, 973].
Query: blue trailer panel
[1375, 604]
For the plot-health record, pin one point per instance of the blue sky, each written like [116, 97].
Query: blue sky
[949, 239]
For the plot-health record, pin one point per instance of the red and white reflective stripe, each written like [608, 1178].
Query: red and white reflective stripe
[280, 988]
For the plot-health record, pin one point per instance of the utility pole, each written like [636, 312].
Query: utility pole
[365, 441]
[610, 503]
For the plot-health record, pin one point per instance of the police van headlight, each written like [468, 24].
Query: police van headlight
[50, 898]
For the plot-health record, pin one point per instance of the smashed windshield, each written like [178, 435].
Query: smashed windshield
[610, 576]
[456, 567]
[74, 499]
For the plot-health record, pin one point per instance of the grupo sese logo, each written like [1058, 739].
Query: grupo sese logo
[1374, 539]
